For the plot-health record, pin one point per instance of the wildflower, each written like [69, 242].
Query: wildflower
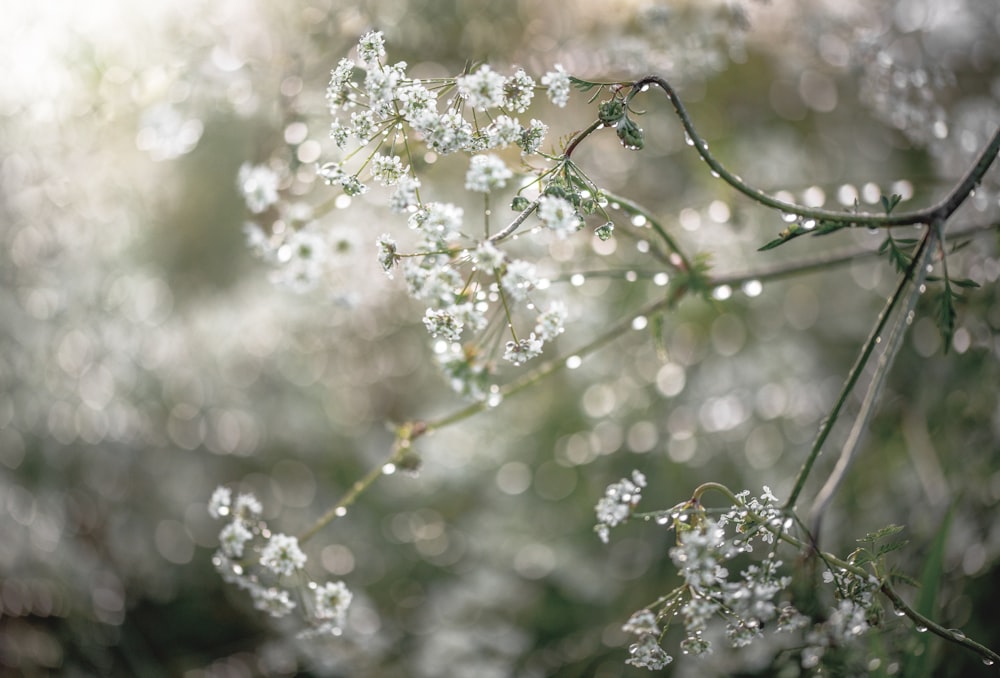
[337, 92]
[523, 350]
[519, 278]
[259, 186]
[232, 538]
[247, 507]
[483, 89]
[549, 323]
[332, 600]
[371, 47]
[380, 86]
[503, 132]
[486, 172]
[647, 654]
[282, 555]
[518, 90]
[387, 169]
[557, 82]
[532, 136]
[276, 602]
[387, 255]
[617, 503]
[405, 196]
[442, 323]
[438, 222]
[642, 621]
[220, 502]
[558, 215]
[487, 255]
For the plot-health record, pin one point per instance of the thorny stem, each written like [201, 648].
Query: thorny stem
[939, 212]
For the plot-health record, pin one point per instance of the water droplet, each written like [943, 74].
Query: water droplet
[899, 613]
[722, 292]
[752, 288]
[987, 661]
[639, 220]
[631, 276]
[341, 511]
[688, 140]
[957, 634]
[878, 340]
[923, 288]
[930, 267]
[715, 174]
[809, 224]
[921, 628]
[573, 362]
[388, 469]
[788, 218]
[662, 519]
[661, 279]
[645, 88]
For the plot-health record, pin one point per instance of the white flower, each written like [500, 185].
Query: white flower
[532, 136]
[558, 214]
[405, 196]
[518, 91]
[557, 82]
[259, 186]
[523, 350]
[483, 89]
[550, 322]
[337, 92]
[439, 222]
[332, 601]
[247, 507]
[520, 278]
[487, 255]
[276, 602]
[486, 172]
[387, 255]
[387, 169]
[232, 538]
[282, 555]
[371, 47]
[503, 132]
[647, 654]
[442, 323]
[219, 504]
[617, 503]
[642, 621]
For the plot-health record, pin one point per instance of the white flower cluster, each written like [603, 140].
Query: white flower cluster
[271, 566]
[617, 503]
[746, 603]
[464, 281]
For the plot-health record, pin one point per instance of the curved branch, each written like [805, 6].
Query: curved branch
[935, 213]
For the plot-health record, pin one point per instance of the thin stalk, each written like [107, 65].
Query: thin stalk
[874, 392]
[853, 376]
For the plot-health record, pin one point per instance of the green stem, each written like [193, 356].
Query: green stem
[856, 370]
[938, 212]
[990, 658]
[918, 272]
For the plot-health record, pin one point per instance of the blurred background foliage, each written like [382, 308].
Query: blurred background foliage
[145, 358]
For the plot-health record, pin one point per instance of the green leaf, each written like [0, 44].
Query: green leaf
[886, 531]
[946, 316]
[965, 282]
[583, 85]
[889, 203]
[890, 547]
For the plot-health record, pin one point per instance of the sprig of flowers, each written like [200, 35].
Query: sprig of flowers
[271, 567]
[748, 602]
